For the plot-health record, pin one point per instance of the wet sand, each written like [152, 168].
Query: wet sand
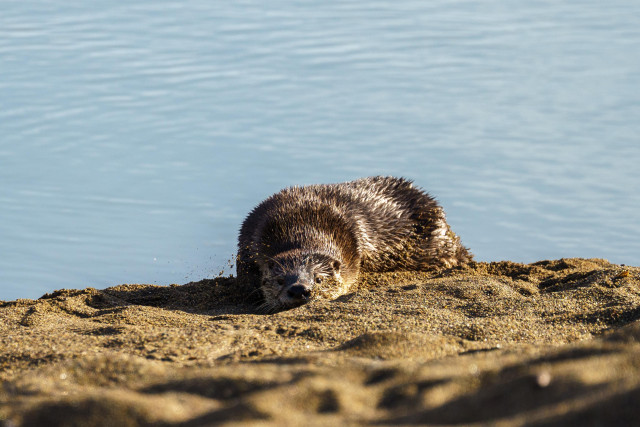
[549, 343]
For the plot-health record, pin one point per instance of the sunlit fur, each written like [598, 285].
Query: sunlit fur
[335, 231]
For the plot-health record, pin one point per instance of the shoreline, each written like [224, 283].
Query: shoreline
[552, 342]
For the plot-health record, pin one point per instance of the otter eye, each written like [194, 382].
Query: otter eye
[318, 279]
[280, 281]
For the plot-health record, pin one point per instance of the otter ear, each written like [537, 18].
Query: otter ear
[336, 265]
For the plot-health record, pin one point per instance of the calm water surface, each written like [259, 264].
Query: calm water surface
[135, 137]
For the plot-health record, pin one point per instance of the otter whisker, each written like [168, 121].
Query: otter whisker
[264, 307]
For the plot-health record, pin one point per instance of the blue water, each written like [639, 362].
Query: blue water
[135, 136]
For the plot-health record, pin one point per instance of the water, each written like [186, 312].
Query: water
[135, 137]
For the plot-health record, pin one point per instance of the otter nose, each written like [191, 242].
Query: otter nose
[298, 292]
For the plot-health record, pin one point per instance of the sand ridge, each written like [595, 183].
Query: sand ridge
[548, 343]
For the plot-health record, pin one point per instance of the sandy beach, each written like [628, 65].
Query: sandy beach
[549, 343]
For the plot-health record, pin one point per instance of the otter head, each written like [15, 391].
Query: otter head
[294, 278]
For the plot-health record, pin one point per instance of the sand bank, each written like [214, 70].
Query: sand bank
[549, 343]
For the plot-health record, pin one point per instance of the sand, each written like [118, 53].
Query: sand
[549, 343]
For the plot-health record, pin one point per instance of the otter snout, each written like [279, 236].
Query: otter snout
[297, 290]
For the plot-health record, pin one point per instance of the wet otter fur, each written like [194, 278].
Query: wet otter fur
[313, 241]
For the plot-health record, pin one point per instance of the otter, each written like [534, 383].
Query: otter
[314, 241]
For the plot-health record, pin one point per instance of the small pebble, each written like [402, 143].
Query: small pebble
[543, 379]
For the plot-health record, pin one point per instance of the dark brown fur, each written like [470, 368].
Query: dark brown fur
[315, 240]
